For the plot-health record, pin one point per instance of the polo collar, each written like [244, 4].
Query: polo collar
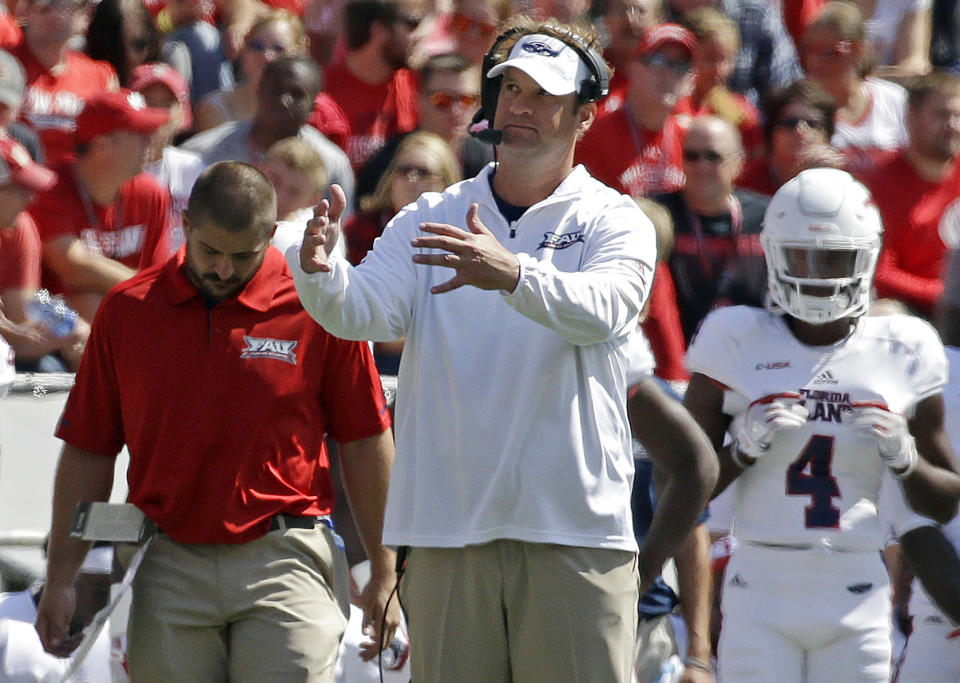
[257, 295]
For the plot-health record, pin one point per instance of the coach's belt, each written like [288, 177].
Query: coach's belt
[285, 521]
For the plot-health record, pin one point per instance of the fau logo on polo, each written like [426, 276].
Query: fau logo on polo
[264, 347]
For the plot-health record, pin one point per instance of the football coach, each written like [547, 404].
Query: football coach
[516, 291]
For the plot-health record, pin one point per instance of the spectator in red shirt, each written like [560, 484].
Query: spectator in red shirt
[448, 98]
[33, 341]
[104, 219]
[637, 148]
[718, 40]
[799, 125]
[473, 25]
[59, 79]
[918, 194]
[625, 22]
[371, 83]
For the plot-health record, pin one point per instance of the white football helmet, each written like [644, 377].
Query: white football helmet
[821, 238]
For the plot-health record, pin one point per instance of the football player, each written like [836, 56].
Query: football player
[823, 405]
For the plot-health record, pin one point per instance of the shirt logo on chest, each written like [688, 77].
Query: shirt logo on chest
[551, 241]
[264, 347]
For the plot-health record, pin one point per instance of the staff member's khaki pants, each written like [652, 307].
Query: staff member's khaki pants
[522, 612]
[260, 611]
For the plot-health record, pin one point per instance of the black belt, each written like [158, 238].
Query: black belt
[285, 521]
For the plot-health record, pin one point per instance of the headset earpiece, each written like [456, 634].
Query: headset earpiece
[591, 90]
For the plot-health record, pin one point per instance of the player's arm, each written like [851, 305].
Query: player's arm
[696, 599]
[704, 400]
[365, 470]
[686, 468]
[81, 476]
[933, 488]
[81, 269]
[934, 561]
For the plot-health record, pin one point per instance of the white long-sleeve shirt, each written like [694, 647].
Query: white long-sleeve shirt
[510, 416]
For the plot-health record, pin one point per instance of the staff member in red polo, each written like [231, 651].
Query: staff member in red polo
[222, 388]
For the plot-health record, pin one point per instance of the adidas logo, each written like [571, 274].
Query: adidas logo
[738, 582]
[825, 377]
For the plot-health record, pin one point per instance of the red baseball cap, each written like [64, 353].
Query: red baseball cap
[17, 167]
[123, 109]
[145, 75]
[662, 35]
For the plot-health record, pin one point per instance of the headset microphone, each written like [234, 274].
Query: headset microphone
[482, 129]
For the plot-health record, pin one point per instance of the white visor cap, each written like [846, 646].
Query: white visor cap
[554, 65]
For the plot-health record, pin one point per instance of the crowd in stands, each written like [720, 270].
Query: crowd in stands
[867, 87]
[110, 109]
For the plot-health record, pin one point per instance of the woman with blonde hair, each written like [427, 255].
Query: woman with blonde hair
[718, 40]
[422, 163]
[870, 121]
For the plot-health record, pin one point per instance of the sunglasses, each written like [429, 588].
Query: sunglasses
[709, 155]
[416, 173]
[835, 51]
[411, 21]
[791, 123]
[445, 101]
[263, 47]
[462, 24]
[659, 61]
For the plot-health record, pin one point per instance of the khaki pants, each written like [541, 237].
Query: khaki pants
[523, 612]
[259, 611]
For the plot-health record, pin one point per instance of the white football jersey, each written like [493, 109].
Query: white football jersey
[818, 484]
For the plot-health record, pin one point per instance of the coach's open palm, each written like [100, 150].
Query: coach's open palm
[322, 232]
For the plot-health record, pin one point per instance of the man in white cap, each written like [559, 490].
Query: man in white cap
[511, 485]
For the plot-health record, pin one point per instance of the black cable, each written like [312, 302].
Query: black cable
[401, 568]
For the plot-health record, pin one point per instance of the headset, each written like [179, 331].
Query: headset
[594, 88]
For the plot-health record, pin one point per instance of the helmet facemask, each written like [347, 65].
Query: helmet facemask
[818, 284]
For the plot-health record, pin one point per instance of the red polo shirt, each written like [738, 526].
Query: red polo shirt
[133, 230]
[223, 410]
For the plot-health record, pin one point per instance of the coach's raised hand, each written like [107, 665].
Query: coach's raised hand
[322, 231]
[475, 254]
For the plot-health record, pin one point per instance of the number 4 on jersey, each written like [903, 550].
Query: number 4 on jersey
[809, 475]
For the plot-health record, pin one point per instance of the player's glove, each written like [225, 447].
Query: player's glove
[764, 418]
[894, 440]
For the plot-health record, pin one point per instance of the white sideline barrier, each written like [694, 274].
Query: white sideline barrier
[28, 460]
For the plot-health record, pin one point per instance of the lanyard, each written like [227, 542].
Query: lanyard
[736, 226]
[93, 218]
